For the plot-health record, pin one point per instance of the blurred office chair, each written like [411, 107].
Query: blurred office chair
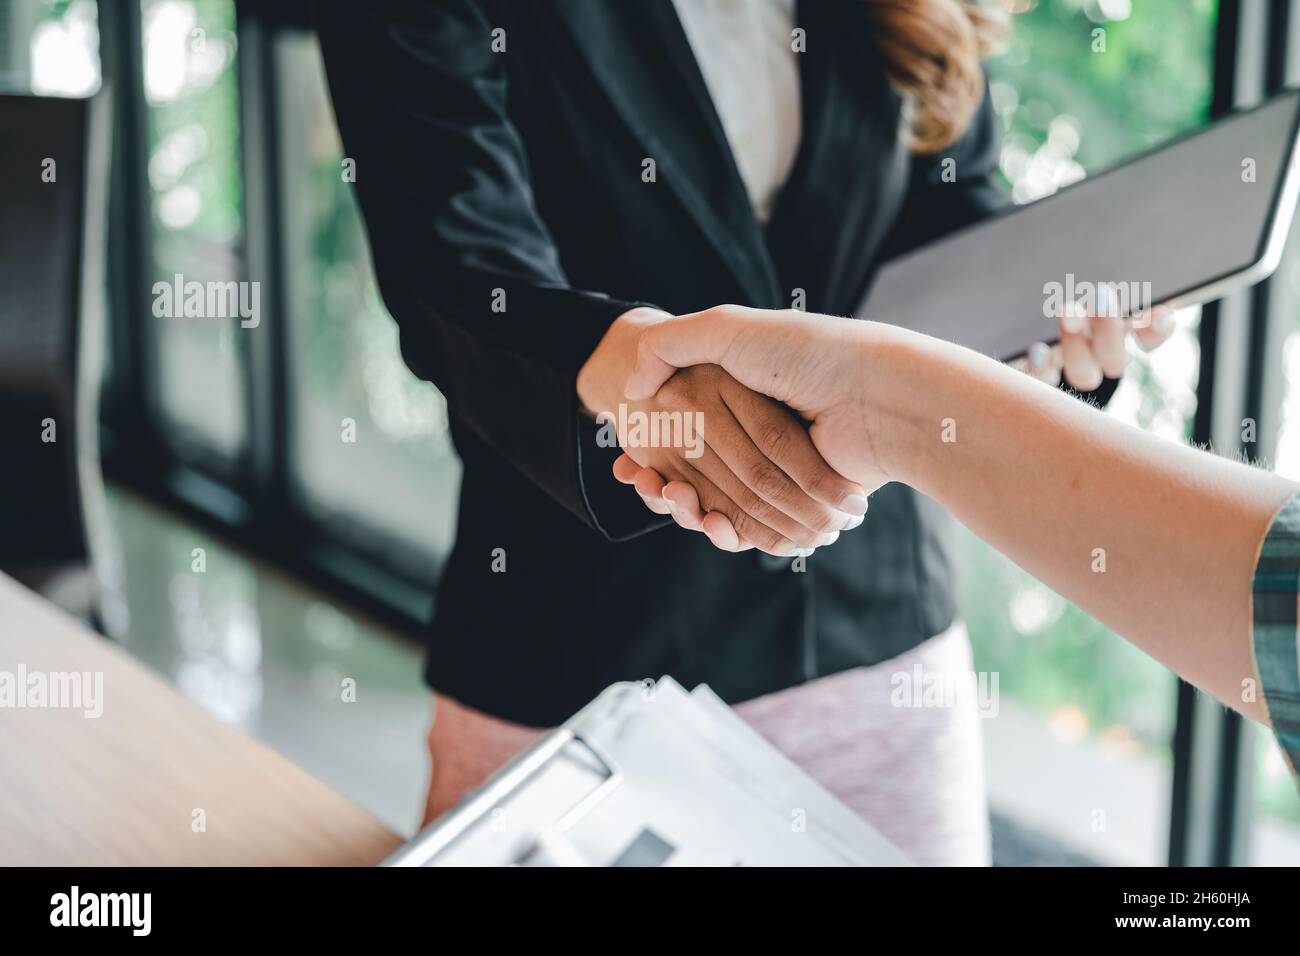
[53, 171]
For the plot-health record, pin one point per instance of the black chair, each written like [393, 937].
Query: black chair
[53, 166]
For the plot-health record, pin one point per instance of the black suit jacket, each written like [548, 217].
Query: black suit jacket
[515, 178]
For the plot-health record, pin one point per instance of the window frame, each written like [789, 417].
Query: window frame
[247, 502]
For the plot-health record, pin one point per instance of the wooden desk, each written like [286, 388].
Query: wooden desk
[122, 789]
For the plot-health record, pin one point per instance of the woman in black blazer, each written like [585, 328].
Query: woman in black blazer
[541, 180]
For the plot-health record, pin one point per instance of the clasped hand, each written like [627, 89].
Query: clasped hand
[752, 467]
[785, 473]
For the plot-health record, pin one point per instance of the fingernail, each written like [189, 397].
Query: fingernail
[853, 522]
[804, 552]
[1164, 321]
[826, 540]
[854, 505]
[1071, 320]
[1038, 355]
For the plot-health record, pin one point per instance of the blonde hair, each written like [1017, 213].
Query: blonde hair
[932, 51]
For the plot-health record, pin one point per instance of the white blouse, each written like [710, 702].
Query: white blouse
[745, 50]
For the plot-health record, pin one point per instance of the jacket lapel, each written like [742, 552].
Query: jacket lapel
[851, 172]
[643, 62]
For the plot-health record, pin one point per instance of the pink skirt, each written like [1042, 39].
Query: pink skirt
[908, 761]
[898, 742]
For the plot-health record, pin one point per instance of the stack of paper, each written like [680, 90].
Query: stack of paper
[650, 775]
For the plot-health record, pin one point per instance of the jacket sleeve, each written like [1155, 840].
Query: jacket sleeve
[938, 204]
[464, 262]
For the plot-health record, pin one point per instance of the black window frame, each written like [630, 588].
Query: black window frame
[247, 502]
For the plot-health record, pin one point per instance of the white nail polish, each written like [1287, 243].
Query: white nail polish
[853, 522]
[854, 505]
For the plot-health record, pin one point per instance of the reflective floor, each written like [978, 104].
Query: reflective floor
[342, 697]
[337, 694]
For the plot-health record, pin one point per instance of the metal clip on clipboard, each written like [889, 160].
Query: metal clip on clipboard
[486, 808]
[648, 774]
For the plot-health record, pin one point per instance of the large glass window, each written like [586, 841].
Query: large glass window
[370, 446]
[52, 48]
[1079, 755]
[196, 193]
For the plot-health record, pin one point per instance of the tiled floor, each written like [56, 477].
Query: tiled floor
[264, 653]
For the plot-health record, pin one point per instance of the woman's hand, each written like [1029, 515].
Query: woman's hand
[1094, 347]
[746, 458]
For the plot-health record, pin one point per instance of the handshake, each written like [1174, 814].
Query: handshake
[787, 420]
[804, 415]
[740, 463]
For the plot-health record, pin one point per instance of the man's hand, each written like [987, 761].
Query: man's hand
[745, 457]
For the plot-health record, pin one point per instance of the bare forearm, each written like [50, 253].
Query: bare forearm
[1156, 540]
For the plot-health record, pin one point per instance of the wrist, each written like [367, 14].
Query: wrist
[900, 387]
[604, 375]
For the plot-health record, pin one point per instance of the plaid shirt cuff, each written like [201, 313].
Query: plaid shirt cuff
[1276, 636]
